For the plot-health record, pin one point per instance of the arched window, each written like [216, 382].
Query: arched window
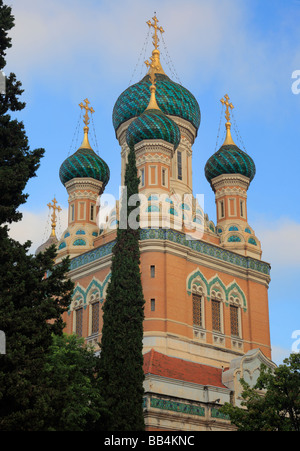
[79, 321]
[198, 291]
[234, 321]
[77, 306]
[216, 315]
[94, 312]
[236, 302]
[197, 310]
[234, 239]
[218, 297]
[95, 317]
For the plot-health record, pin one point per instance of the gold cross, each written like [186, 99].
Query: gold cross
[53, 216]
[228, 105]
[86, 119]
[155, 37]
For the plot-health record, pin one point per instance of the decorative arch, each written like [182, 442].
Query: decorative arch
[84, 294]
[235, 292]
[217, 288]
[196, 277]
[215, 284]
[93, 288]
[101, 286]
[79, 243]
[79, 292]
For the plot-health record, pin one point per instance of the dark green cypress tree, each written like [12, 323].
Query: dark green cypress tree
[123, 314]
[31, 305]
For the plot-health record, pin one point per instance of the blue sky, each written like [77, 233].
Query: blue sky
[66, 50]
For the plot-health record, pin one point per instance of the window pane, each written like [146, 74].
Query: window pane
[197, 311]
[216, 316]
[79, 314]
[152, 271]
[92, 212]
[152, 305]
[142, 177]
[222, 209]
[163, 177]
[95, 317]
[179, 165]
[234, 320]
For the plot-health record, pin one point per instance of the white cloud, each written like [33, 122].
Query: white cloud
[280, 241]
[74, 41]
[36, 227]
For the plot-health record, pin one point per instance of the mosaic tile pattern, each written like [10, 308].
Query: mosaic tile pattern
[180, 238]
[84, 163]
[172, 98]
[175, 406]
[153, 124]
[230, 159]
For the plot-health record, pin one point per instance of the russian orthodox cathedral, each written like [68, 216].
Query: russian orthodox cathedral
[205, 286]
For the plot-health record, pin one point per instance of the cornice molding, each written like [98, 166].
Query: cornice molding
[227, 180]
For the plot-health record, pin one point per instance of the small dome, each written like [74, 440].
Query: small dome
[43, 247]
[153, 124]
[84, 163]
[229, 159]
[172, 98]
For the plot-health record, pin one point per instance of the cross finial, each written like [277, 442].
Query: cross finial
[55, 209]
[228, 105]
[155, 26]
[85, 107]
[86, 120]
[155, 65]
[226, 102]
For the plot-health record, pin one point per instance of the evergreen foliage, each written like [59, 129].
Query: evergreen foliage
[30, 312]
[121, 363]
[31, 305]
[71, 373]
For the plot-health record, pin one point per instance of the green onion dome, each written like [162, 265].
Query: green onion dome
[84, 163]
[172, 98]
[153, 124]
[229, 159]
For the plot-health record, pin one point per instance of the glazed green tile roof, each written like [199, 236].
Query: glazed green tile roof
[229, 159]
[84, 163]
[172, 98]
[153, 124]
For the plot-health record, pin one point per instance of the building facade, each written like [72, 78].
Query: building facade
[205, 285]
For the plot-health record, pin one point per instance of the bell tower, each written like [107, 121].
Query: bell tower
[230, 172]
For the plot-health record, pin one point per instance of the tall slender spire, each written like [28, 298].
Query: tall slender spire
[228, 139]
[86, 120]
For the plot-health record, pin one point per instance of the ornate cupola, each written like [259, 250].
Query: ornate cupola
[174, 104]
[85, 176]
[153, 131]
[230, 172]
